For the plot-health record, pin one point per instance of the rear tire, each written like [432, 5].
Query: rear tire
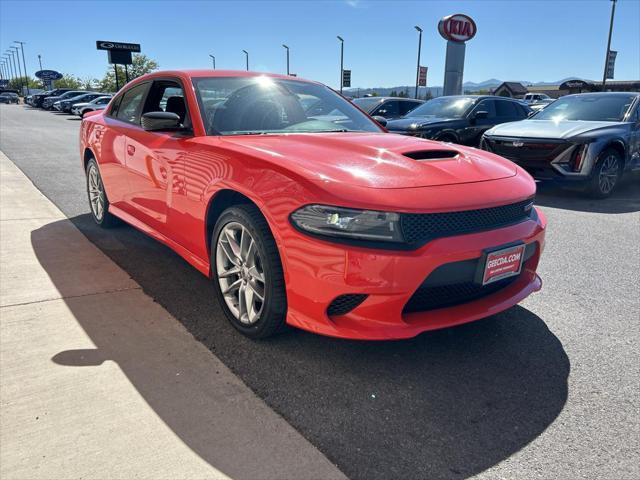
[98, 201]
[247, 272]
[606, 174]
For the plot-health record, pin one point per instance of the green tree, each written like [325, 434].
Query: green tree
[19, 82]
[68, 81]
[89, 83]
[393, 93]
[141, 65]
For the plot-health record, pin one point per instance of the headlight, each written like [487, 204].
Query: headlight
[350, 223]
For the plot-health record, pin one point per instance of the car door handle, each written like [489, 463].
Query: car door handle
[131, 149]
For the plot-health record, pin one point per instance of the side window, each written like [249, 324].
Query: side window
[167, 96]
[130, 104]
[506, 109]
[487, 106]
[103, 101]
[388, 109]
[407, 106]
[114, 108]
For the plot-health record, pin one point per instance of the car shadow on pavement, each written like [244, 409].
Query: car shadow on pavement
[447, 404]
[625, 199]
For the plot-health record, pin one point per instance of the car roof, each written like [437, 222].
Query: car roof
[218, 73]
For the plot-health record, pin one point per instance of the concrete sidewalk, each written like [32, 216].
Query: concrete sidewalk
[98, 381]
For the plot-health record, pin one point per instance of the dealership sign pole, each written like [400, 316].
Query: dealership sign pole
[608, 57]
[456, 29]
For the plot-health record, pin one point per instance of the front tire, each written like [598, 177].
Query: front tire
[247, 272]
[606, 174]
[98, 202]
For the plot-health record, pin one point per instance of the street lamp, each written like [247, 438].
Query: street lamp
[246, 55]
[213, 59]
[287, 48]
[341, 60]
[24, 64]
[14, 51]
[40, 61]
[419, 48]
[11, 66]
[606, 60]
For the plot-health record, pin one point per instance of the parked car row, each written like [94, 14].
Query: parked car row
[77, 102]
[584, 141]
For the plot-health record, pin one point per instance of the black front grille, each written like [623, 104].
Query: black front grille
[523, 150]
[442, 296]
[455, 283]
[421, 227]
[345, 303]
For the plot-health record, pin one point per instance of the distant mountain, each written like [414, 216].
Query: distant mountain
[437, 90]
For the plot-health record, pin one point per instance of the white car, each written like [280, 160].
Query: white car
[532, 98]
[99, 103]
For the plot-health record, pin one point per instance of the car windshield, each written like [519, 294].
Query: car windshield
[367, 104]
[443, 107]
[596, 108]
[267, 105]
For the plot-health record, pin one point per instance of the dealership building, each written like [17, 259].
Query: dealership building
[518, 90]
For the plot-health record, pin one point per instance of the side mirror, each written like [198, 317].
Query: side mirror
[153, 121]
[380, 120]
[481, 114]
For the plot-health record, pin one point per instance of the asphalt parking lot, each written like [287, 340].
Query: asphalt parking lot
[548, 389]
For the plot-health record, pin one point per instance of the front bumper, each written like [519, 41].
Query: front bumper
[318, 272]
[544, 159]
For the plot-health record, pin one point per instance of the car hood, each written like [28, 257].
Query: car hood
[414, 123]
[549, 128]
[375, 160]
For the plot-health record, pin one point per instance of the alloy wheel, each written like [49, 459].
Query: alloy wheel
[96, 192]
[240, 273]
[608, 176]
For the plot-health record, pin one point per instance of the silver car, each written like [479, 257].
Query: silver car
[586, 141]
[99, 103]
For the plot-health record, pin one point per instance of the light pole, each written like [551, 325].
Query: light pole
[606, 60]
[246, 59]
[17, 57]
[24, 64]
[419, 48]
[341, 60]
[7, 67]
[287, 48]
[213, 59]
[40, 61]
[11, 66]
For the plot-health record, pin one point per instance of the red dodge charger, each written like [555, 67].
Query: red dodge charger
[304, 211]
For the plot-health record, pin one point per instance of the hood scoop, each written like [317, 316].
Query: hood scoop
[432, 154]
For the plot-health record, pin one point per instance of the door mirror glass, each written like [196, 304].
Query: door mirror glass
[154, 121]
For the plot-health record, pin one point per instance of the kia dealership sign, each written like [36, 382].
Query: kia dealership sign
[458, 28]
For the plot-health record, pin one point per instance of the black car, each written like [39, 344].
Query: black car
[585, 141]
[9, 97]
[37, 99]
[66, 105]
[459, 118]
[387, 107]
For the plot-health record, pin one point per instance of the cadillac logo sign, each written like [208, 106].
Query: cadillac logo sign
[458, 28]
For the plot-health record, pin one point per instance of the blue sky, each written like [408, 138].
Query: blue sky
[517, 40]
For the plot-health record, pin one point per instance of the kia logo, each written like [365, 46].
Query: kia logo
[458, 28]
